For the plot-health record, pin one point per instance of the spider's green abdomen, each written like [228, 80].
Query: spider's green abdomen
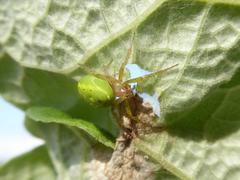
[95, 91]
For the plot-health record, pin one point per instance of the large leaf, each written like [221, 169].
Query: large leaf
[27, 87]
[199, 99]
[70, 150]
[205, 140]
[32, 165]
[197, 36]
[73, 154]
[51, 115]
[44, 34]
[189, 159]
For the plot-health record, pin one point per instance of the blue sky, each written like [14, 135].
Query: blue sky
[136, 71]
[14, 139]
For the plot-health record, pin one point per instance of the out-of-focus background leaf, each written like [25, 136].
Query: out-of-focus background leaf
[32, 165]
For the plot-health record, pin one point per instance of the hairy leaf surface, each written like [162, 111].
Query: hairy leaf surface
[199, 98]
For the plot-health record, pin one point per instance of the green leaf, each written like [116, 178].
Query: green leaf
[215, 117]
[51, 115]
[32, 165]
[11, 75]
[33, 127]
[48, 33]
[73, 153]
[189, 159]
[210, 59]
[26, 87]
[154, 154]
[199, 99]
[230, 2]
[205, 139]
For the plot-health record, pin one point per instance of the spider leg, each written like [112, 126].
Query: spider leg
[127, 107]
[88, 70]
[120, 100]
[106, 66]
[139, 79]
[129, 52]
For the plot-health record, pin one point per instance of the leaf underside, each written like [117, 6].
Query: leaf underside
[43, 43]
[51, 115]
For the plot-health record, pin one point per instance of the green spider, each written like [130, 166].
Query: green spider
[105, 90]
